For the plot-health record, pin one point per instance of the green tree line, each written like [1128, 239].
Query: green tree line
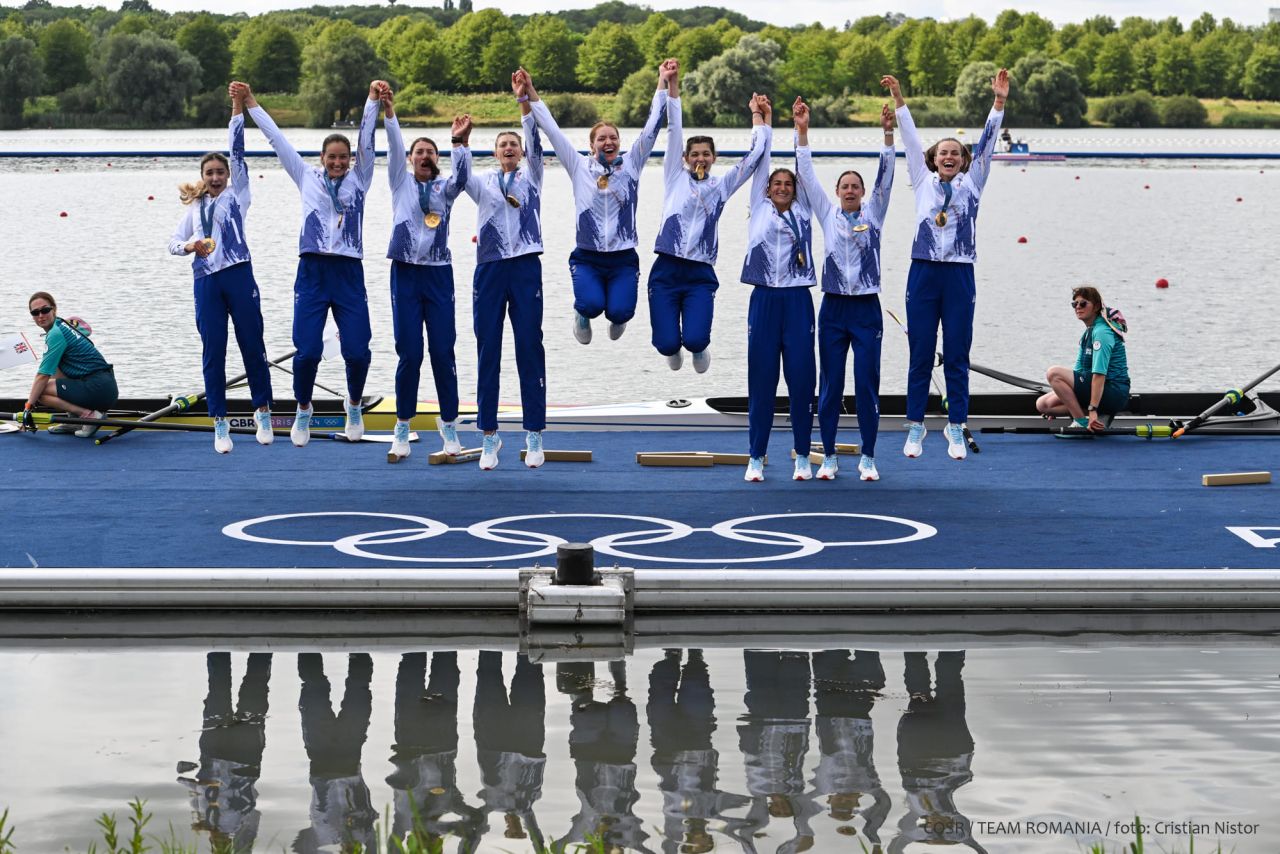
[138, 65]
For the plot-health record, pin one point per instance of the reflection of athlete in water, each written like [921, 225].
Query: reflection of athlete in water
[844, 691]
[340, 810]
[681, 714]
[509, 740]
[935, 755]
[223, 797]
[425, 754]
[602, 742]
[774, 738]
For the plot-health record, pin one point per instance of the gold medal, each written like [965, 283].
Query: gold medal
[210, 244]
[699, 172]
[862, 226]
[432, 219]
[800, 258]
[603, 182]
[513, 201]
[941, 219]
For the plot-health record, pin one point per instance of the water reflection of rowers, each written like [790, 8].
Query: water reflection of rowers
[510, 732]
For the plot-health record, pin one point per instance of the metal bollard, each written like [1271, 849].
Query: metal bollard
[576, 564]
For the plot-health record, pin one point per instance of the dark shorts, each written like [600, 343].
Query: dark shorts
[96, 391]
[1115, 397]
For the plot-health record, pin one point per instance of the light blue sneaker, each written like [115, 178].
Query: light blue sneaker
[354, 428]
[755, 470]
[399, 443]
[914, 446]
[448, 431]
[867, 469]
[956, 447]
[830, 467]
[533, 455]
[489, 451]
[222, 436]
[581, 328]
[300, 432]
[804, 468]
[265, 435]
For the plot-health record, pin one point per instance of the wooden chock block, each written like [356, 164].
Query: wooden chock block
[640, 454]
[699, 460]
[466, 455]
[734, 459]
[563, 456]
[843, 448]
[1236, 478]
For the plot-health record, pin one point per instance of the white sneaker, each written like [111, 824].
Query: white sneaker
[448, 431]
[354, 428]
[830, 466]
[265, 434]
[88, 430]
[582, 328]
[702, 360]
[616, 330]
[300, 432]
[867, 469]
[675, 360]
[222, 436]
[755, 470]
[399, 443]
[533, 456]
[956, 447]
[489, 451]
[804, 469]
[915, 438]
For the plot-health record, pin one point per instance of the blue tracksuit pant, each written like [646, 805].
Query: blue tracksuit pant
[682, 301]
[512, 287]
[780, 326]
[605, 283]
[329, 283]
[845, 322]
[422, 295]
[231, 293]
[939, 291]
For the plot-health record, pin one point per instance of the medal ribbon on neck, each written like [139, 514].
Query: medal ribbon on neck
[852, 217]
[424, 195]
[207, 212]
[792, 223]
[506, 181]
[333, 187]
[608, 164]
[946, 192]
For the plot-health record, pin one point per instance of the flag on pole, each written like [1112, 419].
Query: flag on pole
[16, 351]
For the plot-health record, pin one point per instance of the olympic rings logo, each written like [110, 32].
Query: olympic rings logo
[541, 544]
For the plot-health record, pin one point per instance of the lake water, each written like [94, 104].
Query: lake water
[1046, 747]
[1209, 227]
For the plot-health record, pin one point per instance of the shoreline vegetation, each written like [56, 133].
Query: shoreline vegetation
[143, 68]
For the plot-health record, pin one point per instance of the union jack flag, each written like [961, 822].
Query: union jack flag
[21, 347]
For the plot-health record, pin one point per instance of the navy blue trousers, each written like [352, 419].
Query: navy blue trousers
[231, 293]
[780, 328]
[605, 283]
[939, 292]
[682, 301]
[846, 322]
[510, 287]
[422, 295]
[329, 283]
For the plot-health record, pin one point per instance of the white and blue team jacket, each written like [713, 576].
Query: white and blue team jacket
[852, 263]
[412, 240]
[691, 210]
[774, 250]
[956, 241]
[506, 232]
[229, 208]
[325, 231]
[606, 215]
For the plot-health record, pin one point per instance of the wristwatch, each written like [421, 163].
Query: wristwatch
[1093, 407]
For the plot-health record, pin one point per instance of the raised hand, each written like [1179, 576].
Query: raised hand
[766, 107]
[667, 70]
[461, 128]
[886, 119]
[375, 89]
[518, 85]
[800, 114]
[1000, 84]
[895, 88]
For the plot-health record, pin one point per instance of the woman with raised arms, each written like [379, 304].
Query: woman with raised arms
[604, 265]
[779, 264]
[850, 314]
[508, 280]
[682, 281]
[330, 274]
[948, 181]
[422, 271]
[212, 229]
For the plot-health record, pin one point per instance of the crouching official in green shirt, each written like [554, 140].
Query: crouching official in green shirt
[1098, 385]
[72, 376]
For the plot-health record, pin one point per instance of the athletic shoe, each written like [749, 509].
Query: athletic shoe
[300, 432]
[804, 469]
[830, 466]
[265, 435]
[222, 436]
[62, 428]
[1077, 429]
[956, 448]
[533, 456]
[448, 431]
[88, 430]
[399, 443]
[616, 330]
[581, 328]
[354, 428]
[867, 469]
[755, 470]
[915, 437]
[702, 360]
[489, 451]
[675, 360]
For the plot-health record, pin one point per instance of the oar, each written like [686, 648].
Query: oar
[54, 418]
[181, 404]
[1020, 382]
[1232, 396]
[1142, 431]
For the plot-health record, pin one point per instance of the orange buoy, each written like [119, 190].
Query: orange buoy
[1077, 177]
[151, 198]
[1162, 283]
[64, 213]
[1239, 199]
[473, 238]
[1022, 240]
[1146, 186]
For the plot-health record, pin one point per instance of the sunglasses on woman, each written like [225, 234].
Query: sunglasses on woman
[1079, 303]
[41, 311]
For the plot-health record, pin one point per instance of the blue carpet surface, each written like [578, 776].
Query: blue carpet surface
[166, 500]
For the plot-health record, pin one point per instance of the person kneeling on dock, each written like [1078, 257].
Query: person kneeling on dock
[1099, 382]
[72, 376]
